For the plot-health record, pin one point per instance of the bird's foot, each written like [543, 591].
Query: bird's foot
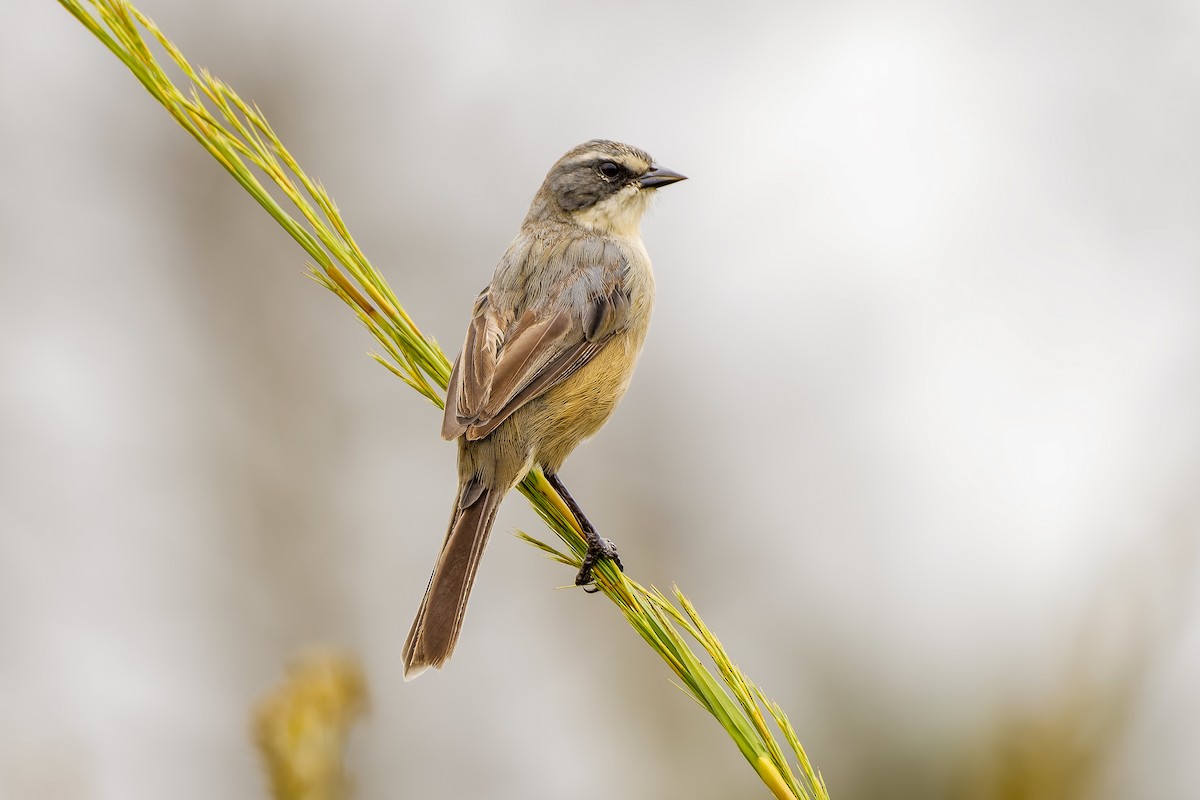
[598, 548]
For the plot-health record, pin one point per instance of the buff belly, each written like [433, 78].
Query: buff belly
[579, 406]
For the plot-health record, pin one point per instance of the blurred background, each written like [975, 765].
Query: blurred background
[916, 426]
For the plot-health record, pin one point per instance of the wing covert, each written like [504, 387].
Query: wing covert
[505, 364]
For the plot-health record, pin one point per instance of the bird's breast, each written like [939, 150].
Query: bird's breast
[579, 406]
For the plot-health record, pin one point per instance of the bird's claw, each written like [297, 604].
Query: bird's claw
[598, 548]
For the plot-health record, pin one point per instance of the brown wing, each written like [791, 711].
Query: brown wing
[501, 368]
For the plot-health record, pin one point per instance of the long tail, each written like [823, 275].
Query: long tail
[439, 620]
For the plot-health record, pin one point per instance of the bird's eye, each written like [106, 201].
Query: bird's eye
[609, 170]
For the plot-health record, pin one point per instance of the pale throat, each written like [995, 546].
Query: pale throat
[618, 215]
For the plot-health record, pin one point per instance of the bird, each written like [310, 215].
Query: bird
[549, 351]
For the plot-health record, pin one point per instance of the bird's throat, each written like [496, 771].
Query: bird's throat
[619, 215]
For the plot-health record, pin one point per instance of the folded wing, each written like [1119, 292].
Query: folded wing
[502, 367]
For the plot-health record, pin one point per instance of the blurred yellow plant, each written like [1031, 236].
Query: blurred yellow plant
[302, 726]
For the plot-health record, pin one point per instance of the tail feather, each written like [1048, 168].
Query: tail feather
[439, 620]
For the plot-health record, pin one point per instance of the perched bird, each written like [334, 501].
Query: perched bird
[550, 349]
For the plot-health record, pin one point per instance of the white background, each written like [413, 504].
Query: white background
[916, 427]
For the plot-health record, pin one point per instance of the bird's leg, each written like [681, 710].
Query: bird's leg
[598, 546]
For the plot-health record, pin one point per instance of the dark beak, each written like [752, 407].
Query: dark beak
[659, 176]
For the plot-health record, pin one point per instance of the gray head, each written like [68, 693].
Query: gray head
[601, 185]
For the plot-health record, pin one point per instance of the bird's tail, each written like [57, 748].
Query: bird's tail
[439, 620]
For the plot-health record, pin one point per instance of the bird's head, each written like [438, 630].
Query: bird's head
[602, 186]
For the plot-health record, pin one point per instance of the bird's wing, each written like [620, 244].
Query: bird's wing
[503, 367]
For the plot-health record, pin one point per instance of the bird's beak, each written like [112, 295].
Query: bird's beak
[659, 176]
